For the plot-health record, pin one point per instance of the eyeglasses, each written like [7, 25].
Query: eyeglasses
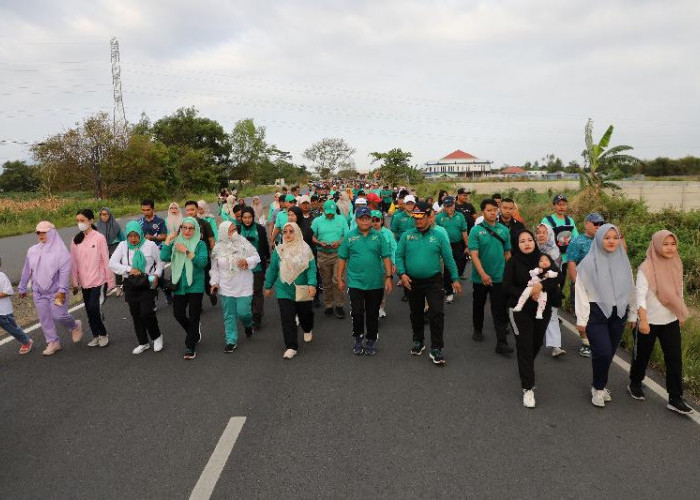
[188, 228]
[38, 233]
[598, 224]
[288, 231]
[374, 219]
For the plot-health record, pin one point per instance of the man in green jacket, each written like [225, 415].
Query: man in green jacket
[367, 257]
[419, 259]
[457, 231]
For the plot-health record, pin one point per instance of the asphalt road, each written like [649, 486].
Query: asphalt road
[13, 249]
[103, 423]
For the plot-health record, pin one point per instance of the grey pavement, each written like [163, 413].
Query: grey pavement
[13, 249]
[103, 423]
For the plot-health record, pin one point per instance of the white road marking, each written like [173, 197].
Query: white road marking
[210, 475]
[652, 385]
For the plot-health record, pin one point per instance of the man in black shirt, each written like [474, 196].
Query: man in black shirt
[507, 219]
[465, 208]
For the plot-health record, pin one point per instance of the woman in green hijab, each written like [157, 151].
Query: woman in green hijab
[189, 256]
[134, 257]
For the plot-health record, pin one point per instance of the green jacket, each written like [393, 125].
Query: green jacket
[199, 262]
[284, 290]
[419, 254]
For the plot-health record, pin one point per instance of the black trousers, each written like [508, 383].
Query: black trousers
[190, 322]
[460, 260]
[93, 307]
[529, 337]
[258, 298]
[670, 339]
[604, 335]
[499, 312]
[141, 306]
[429, 289]
[289, 309]
[364, 305]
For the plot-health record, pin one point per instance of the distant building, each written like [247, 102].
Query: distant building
[457, 164]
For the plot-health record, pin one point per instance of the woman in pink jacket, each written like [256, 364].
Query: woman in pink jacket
[90, 272]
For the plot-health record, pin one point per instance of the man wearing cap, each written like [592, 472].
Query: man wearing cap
[577, 250]
[418, 262]
[329, 232]
[489, 245]
[351, 219]
[564, 226]
[367, 257]
[374, 201]
[465, 208]
[457, 233]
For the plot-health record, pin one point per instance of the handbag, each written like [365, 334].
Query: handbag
[303, 293]
[136, 283]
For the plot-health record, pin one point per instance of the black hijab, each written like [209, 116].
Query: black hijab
[303, 224]
[529, 260]
[248, 210]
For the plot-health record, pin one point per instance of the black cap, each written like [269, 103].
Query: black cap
[422, 208]
[496, 196]
[314, 197]
[448, 201]
[464, 191]
[558, 198]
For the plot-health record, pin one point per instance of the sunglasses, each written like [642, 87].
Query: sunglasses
[598, 224]
[288, 231]
[374, 219]
[417, 215]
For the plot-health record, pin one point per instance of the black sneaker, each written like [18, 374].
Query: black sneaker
[478, 336]
[214, 299]
[257, 322]
[317, 301]
[230, 347]
[636, 391]
[168, 298]
[190, 354]
[328, 311]
[437, 357]
[339, 312]
[358, 349]
[248, 331]
[370, 347]
[679, 406]
[503, 348]
[417, 348]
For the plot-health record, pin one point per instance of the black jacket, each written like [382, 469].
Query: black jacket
[515, 279]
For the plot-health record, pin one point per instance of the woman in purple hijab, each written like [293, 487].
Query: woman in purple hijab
[48, 266]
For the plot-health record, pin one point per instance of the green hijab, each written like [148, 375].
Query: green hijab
[179, 260]
[139, 259]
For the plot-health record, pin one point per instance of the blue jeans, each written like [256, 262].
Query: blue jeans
[9, 324]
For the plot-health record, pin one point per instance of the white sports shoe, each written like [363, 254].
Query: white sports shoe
[103, 340]
[94, 342]
[450, 298]
[140, 348]
[289, 354]
[158, 344]
[528, 398]
[557, 351]
[382, 312]
[308, 337]
[598, 398]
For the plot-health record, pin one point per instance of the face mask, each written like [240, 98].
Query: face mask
[82, 226]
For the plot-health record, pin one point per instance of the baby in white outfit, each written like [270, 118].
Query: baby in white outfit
[537, 275]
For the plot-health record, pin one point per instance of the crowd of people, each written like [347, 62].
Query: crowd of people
[353, 241]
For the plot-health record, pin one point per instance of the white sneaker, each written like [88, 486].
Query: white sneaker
[200, 332]
[289, 354]
[382, 312]
[103, 340]
[308, 337]
[557, 351]
[450, 298]
[158, 344]
[140, 348]
[598, 398]
[94, 342]
[528, 398]
[296, 319]
[607, 395]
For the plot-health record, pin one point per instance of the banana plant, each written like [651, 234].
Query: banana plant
[599, 158]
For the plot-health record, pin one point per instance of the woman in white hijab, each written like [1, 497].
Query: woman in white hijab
[258, 209]
[292, 271]
[344, 204]
[605, 299]
[232, 261]
[544, 235]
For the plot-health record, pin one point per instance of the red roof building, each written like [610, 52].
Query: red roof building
[457, 164]
[513, 171]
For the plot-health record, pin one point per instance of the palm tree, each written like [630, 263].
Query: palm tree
[598, 158]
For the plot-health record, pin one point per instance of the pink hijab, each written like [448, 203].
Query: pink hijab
[665, 276]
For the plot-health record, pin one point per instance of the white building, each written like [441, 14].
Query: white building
[457, 164]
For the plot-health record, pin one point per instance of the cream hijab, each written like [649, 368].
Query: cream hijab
[665, 276]
[295, 255]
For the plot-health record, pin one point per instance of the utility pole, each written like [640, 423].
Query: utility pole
[118, 116]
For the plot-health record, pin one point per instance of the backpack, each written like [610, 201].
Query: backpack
[562, 234]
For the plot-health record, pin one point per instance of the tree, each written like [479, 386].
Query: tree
[599, 158]
[18, 176]
[140, 170]
[249, 152]
[74, 158]
[330, 155]
[552, 163]
[395, 167]
[348, 173]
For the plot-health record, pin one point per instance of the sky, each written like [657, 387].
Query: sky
[506, 80]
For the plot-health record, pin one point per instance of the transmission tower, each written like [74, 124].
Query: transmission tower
[119, 116]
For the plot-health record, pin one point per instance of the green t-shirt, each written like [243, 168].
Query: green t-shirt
[391, 241]
[329, 230]
[490, 251]
[400, 223]
[455, 225]
[418, 255]
[386, 195]
[251, 234]
[364, 257]
[281, 219]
